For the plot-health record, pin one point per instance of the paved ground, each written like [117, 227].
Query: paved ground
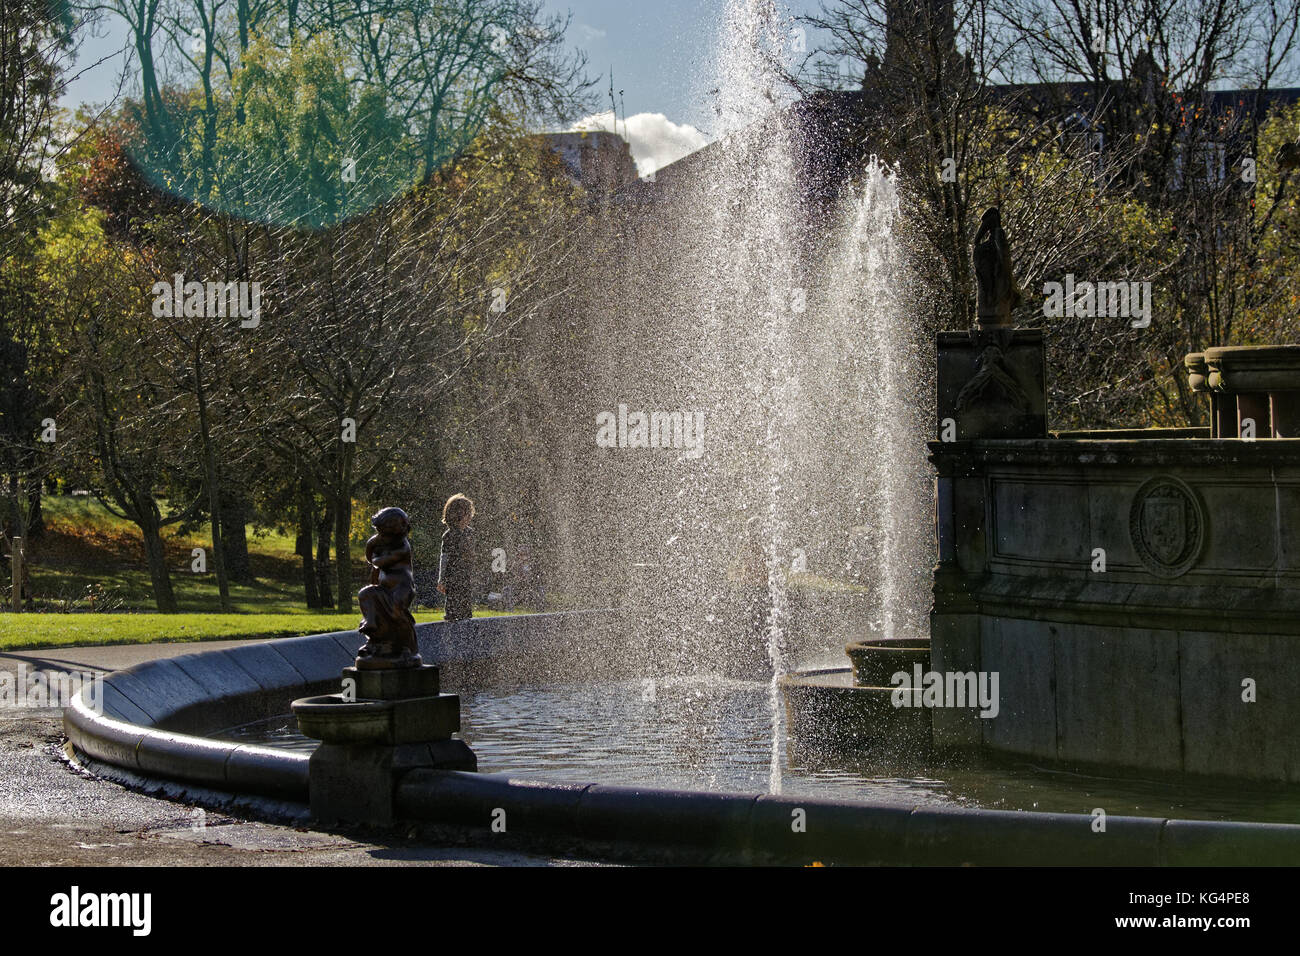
[54, 814]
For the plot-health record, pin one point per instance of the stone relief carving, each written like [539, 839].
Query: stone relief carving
[1167, 526]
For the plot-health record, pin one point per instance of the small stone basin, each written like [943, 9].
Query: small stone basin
[876, 659]
[333, 719]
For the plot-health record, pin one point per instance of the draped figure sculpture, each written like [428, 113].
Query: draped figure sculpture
[996, 294]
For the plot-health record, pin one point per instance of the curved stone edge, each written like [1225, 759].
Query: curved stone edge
[285, 811]
[735, 828]
[150, 709]
[181, 757]
[727, 827]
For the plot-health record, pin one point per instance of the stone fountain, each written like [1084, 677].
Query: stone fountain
[390, 716]
[1131, 596]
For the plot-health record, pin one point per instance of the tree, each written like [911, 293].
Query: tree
[381, 316]
[35, 45]
[204, 353]
[307, 115]
[124, 425]
[423, 78]
[1101, 131]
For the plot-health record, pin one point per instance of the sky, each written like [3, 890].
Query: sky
[661, 55]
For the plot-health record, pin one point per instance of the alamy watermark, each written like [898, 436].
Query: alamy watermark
[212, 300]
[655, 429]
[73, 909]
[946, 689]
[28, 689]
[1100, 300]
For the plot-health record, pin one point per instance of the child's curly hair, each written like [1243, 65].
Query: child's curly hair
[456, 508]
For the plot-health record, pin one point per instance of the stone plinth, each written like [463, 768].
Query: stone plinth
[827, 712]
[991, 384]
[853, 711]
[382, 724]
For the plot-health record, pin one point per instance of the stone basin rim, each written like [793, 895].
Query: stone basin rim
[336, 705]
[754, 827]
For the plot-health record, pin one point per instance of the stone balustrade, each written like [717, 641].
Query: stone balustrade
[1247, 384]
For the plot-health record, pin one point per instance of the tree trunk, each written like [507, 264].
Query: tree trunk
[214, 492]
[17, 524]
[234, 536]
[156, 556]
[342, 549]
[304, 549]
[323, 531]
[35, 515]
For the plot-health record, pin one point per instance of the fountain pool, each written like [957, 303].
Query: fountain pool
[709, 733]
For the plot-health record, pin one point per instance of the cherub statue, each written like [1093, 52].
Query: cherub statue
[385, 602]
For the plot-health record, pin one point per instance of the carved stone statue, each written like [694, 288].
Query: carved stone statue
[996, 294]
[385, 602]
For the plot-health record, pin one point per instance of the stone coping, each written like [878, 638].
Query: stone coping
[143, 704]
[1251, 368]
[949, 338]
[1254, 353]
[1128, 434]
[1126, 599]
[1135, 453]
[747, 828]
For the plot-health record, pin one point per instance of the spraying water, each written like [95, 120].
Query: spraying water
[867, 278]
[761, 181]
[780, 321]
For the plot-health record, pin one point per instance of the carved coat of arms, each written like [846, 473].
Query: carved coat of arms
[1167, 526]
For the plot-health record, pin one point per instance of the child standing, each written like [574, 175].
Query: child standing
[456, 564]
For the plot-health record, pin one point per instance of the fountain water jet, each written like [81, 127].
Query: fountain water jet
[890, 386]
[752, 34]
[779, 317]
[886, 383]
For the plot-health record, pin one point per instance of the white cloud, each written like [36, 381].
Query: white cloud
[589, 33]
[656, 140]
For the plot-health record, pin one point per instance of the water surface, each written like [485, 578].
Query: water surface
[711, 733]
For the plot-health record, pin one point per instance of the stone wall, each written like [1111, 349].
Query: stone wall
[1142, 664]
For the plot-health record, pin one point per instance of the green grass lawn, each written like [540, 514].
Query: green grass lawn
[87, 547]
[91, 565]
[86, 513]
[20, 631]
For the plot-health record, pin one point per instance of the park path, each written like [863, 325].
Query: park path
[106, 657]
[53, 814]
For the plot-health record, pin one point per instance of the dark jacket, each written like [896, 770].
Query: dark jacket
[456, 572]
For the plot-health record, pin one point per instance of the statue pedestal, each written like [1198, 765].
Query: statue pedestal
[991, 384]
[384, 723]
